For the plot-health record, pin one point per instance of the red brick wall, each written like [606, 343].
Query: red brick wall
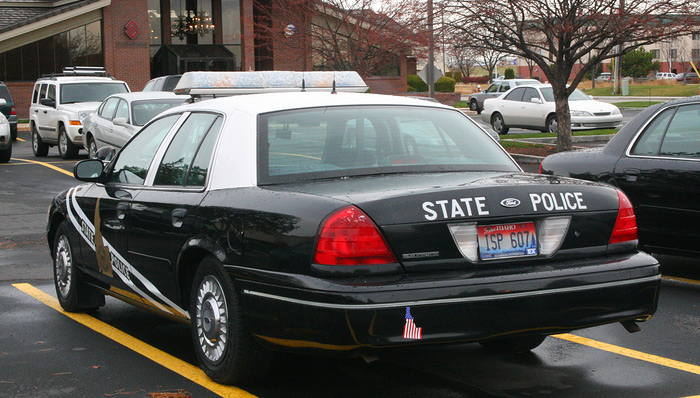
[291, 53]
[127, 59]
[22, 95]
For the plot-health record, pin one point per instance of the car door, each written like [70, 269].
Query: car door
[510, 107]
[163, 215]
[661, 175]
[120, 134]
[102, 124]
[534, 113]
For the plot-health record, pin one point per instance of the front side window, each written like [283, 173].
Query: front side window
[504, 87]
[51, 92]
[90, 92]
[135, 158]
[176, 164]
[43, 91]
[530, 93]
[493, 88]
[342, 141]
[515, 95]
[144, 111]
[35, 97]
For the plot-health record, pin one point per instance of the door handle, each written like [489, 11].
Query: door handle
[122, 208]
[36, 111]
[46, 111]
[177, 216]
[631, 175]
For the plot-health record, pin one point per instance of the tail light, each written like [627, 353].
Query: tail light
[626, 224]
[13, 110]
[539, 171]
[349, 237]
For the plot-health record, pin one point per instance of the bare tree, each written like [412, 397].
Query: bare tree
[462, 57]
[489, 58]
[568, 30]
[361, 35]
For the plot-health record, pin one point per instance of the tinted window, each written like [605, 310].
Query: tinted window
[122, 110]
[5, 94]
[144, 111]
[493, 88]
[682, 138]
[51, 92]
[135, 158]
[89, 92]
[170, 83]
[35, 97]
[515, 95]
[108, 108]
[43, 91]
[504, 87]
[200, 167]
[650, 140]
[175, 165]
[530, 93]
[355, 140]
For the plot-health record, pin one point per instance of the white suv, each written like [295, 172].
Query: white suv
[61, 102]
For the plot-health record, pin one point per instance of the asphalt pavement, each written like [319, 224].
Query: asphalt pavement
[123, 351]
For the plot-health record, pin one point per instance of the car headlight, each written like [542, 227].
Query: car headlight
[82, 116]
[581, 113]
[616, 111]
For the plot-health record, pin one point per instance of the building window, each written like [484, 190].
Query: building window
[182, 11]
[696, 36]
[695, 54]
[674, 53]
[154, 27]
[657, 54]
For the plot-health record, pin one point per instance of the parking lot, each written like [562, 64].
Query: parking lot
[121, 350]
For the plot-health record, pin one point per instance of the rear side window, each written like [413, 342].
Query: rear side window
[504, 87]
[650, 141]
[51, 92]
[122, 110]
[35, 97]
[108, 108]
[682, 138]
[5, 94]
[42, 93]
[177, 162]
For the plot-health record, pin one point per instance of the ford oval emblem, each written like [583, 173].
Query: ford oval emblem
[510, 202]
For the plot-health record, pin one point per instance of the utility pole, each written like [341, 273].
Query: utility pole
[431, 60]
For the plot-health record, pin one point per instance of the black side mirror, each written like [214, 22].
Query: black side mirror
[89, 170]
[48, 102]
[105, 154]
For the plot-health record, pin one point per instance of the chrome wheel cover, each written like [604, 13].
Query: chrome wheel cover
[211, 319]
[62, 142]
[498, 124]
[63, 266]
[552, 126]
[35, 141]
[92, 149]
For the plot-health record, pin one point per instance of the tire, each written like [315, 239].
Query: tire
[38, 147]
[498, 124]
[73, 294]
[13, 133]
[225, 349]
[474, 106]
[66, 148]
[6, 154]
[514, 345]
[91, 147]
[551, 124]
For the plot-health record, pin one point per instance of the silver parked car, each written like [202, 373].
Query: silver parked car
[121, 115]
[5, 136]
[476, 101]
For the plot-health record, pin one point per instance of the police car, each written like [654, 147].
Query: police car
[334, 222]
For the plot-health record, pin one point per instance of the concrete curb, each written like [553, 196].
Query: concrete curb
[527, 159]
[580, 138]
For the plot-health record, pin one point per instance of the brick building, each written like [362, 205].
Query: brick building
[135, 42]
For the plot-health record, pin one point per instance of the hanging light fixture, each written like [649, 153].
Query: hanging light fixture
[192, 22]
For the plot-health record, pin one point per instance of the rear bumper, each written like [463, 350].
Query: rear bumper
[347, 315]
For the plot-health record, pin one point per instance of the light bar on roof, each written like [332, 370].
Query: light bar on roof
[233, 83]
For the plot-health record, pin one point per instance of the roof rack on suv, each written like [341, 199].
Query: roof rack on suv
[88, 71]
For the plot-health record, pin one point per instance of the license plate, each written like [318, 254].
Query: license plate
[507, 240]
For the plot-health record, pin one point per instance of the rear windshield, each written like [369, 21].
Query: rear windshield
[89, 92]
[5, 94]
[144, 111]
[331, 142]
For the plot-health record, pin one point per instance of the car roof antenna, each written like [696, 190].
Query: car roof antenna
[333, 91]
[303, 83]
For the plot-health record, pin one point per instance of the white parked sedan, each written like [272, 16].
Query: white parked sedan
[5, 137]
[121, 115]
[532, 107]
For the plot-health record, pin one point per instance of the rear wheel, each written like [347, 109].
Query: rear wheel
[73, 294]
[514, 345]
[474, 106]
[225, 348]
[498, 124]
[38, 147]
[66, 148]
[13, 133]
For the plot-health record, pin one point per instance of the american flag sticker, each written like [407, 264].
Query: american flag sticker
[410, 331]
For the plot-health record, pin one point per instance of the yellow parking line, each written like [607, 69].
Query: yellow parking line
[686, 280]
[60, 170]
[19, 139]
[164, 359]
[670, 363]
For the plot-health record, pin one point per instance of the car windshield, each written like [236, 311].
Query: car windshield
[89, 92]
[143, 111]
[331, 142]
[577, 95]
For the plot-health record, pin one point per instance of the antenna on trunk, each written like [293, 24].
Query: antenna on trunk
[333, 91]
[303, 82]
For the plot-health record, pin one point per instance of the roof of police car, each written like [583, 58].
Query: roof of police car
[270, 102]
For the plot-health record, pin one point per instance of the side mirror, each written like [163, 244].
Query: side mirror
[3, 102]
[590, 97]
[536, 100]
[48, 102]
[120, 121]
[89, 170]
[105, 154]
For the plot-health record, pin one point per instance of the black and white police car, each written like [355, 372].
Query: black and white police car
[340, 222]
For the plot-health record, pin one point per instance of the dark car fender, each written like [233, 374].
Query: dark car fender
[191, 254]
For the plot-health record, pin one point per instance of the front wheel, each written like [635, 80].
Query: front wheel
[474, 106]
[66, 148]
[498, 124]
[514, 345]
[552, 125]
[225, 348]
[6, 154]
[73, 294]
[38, 147]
